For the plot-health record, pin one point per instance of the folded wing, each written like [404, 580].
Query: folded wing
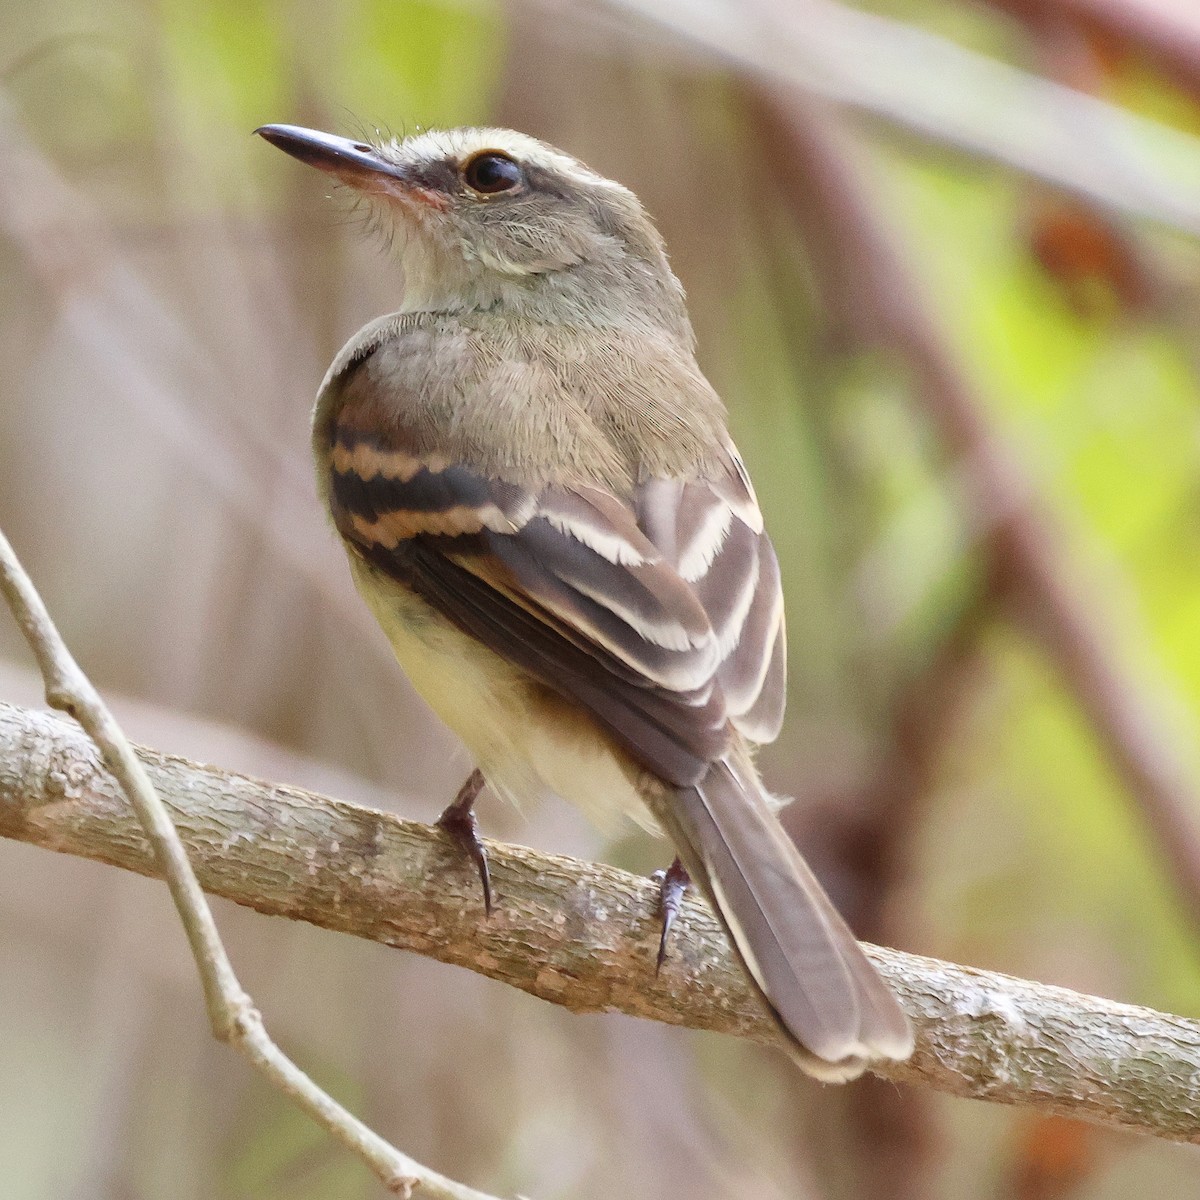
[561, 581]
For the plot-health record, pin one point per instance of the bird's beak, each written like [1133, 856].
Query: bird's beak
[357, 164]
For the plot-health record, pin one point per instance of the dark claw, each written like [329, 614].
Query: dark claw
[672, 883]
[459, 822]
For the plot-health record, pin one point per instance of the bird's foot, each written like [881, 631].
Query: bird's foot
[460, 823]
[672, 883]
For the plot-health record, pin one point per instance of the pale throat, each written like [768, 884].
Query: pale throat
[438, 277]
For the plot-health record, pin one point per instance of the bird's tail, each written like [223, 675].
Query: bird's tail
[836, 1012]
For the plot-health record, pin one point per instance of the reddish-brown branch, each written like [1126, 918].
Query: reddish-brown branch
[874, 292]
[1166, 33]
[875, 298]
[895, 1127]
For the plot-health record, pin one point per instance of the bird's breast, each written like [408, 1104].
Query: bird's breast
[527, 740]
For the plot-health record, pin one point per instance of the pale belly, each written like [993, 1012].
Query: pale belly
[526, 741]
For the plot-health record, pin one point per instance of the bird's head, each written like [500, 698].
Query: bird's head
[487, 217]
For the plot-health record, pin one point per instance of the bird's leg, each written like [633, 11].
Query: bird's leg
[672, 883]
[459, 822]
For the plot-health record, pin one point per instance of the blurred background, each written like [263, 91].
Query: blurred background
[941, 259]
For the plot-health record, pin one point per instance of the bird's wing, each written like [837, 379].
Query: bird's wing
[560, 581]
[710, 530]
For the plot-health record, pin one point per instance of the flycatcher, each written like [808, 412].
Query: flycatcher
[543, 508]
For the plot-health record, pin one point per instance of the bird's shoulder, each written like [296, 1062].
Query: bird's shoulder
[525, 399]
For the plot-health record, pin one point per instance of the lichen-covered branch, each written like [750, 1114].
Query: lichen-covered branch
[579, 934]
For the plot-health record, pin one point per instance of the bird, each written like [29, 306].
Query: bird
[542, 505]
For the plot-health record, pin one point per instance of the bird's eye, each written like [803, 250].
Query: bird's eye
[492, 172]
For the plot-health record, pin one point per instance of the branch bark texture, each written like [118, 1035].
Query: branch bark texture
[581, 935]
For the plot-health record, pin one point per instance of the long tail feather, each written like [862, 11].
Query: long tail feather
[838, 1014]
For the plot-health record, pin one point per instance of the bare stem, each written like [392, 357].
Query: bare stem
[231, 1012]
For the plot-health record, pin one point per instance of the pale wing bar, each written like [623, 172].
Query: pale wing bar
[711, 532]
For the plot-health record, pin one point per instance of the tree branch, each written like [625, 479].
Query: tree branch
[582, 935]
[943, 92]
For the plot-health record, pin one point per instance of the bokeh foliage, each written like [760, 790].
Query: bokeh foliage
[170, 299]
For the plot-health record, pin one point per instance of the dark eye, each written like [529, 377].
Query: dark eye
[492, 172]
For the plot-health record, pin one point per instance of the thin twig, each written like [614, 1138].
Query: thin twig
[897, 1128]
[231, 1012]
[583, 935]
